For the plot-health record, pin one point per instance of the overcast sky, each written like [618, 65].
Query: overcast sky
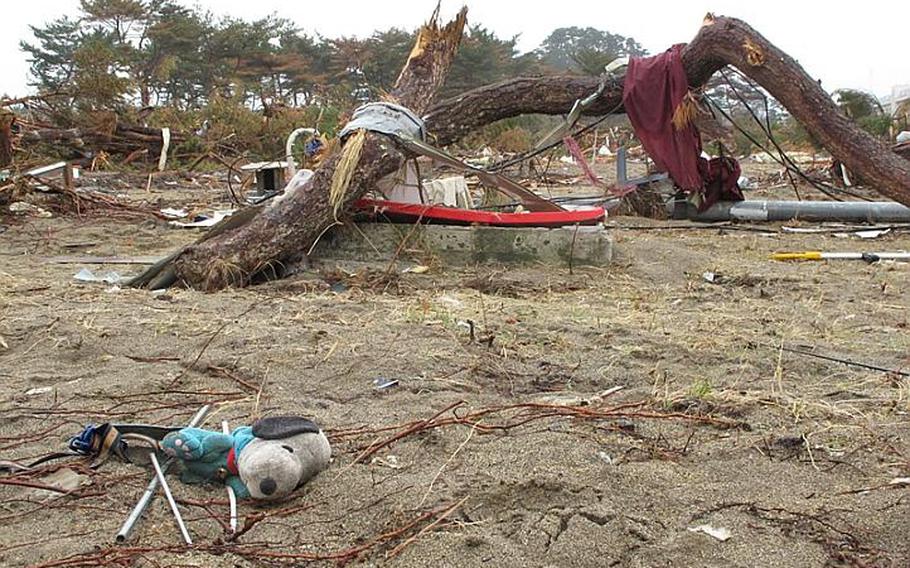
[866, 48]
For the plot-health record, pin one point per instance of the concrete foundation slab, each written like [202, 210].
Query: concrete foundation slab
[452, 245]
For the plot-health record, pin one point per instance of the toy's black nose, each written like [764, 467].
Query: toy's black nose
[267, 486]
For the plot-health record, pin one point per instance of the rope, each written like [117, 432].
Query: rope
[344, 169]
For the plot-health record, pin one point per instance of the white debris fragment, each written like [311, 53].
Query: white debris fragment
[216, 218]
[416, 270]
[172, 213]
[390, 461]
[720, 533]
[86, 275]
[23, 208]
[711, 277]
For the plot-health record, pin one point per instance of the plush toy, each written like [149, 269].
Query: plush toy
[266, 461]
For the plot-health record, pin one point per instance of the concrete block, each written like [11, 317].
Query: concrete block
[453, 245]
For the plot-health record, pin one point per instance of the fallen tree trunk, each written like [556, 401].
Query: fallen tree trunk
[124, 139]
[721, 41]
[288, 230]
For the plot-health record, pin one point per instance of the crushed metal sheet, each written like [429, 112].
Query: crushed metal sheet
[385, 118]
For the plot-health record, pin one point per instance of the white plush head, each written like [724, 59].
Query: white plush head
[286, 453]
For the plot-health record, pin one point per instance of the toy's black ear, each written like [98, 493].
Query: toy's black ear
[281, 427]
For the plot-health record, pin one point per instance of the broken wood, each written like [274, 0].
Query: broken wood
[287, 230]
[6, 139]
[124, 139]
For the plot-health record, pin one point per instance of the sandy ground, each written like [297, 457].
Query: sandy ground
[714, 424]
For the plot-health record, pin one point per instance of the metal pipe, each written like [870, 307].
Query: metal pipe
[146, 498]
[232, 497]
[159, 475]
[843, 211]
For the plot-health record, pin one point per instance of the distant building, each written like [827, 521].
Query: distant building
[899, 94]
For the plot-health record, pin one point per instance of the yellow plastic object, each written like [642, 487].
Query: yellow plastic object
[808, 255]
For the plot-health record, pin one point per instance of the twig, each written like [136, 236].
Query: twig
[397, 550]
[448, 461]
[209, 342]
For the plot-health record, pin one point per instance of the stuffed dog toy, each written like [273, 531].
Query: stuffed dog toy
[265, 461]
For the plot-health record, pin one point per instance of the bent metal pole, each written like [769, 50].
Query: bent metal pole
[146, 498]
[170, 498]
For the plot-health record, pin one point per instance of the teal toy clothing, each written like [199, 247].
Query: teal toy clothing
[209, 456]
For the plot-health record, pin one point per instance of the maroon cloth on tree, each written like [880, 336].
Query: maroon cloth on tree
[654, 88]
[721, 177]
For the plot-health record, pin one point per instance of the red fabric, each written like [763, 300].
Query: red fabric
[232, 462]
[575, 150]
[653, 89]
[721, 177]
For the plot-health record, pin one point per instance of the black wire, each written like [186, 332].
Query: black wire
[790, 164]
[534, 153]
[765, 149]
[847, 362]
[767, 125]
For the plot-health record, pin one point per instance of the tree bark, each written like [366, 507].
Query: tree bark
[287, 230]
[6, 139]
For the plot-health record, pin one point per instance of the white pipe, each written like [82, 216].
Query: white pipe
[170, 498]
[232, 497]
[289, 145]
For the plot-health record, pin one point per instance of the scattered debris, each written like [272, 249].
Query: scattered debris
[712, 277]
[572, 399]
[201, 221]
[720, 533]
[605, 457]
[867, 234]
[419, 269]
[390, 461]
[23, 208]
[173, 213]
[382, 383]
[86, 275]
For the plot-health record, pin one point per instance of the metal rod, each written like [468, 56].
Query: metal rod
[170, 498]
[146, 498]
[232, 498]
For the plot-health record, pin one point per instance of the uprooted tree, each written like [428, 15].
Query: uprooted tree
[285, 231]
